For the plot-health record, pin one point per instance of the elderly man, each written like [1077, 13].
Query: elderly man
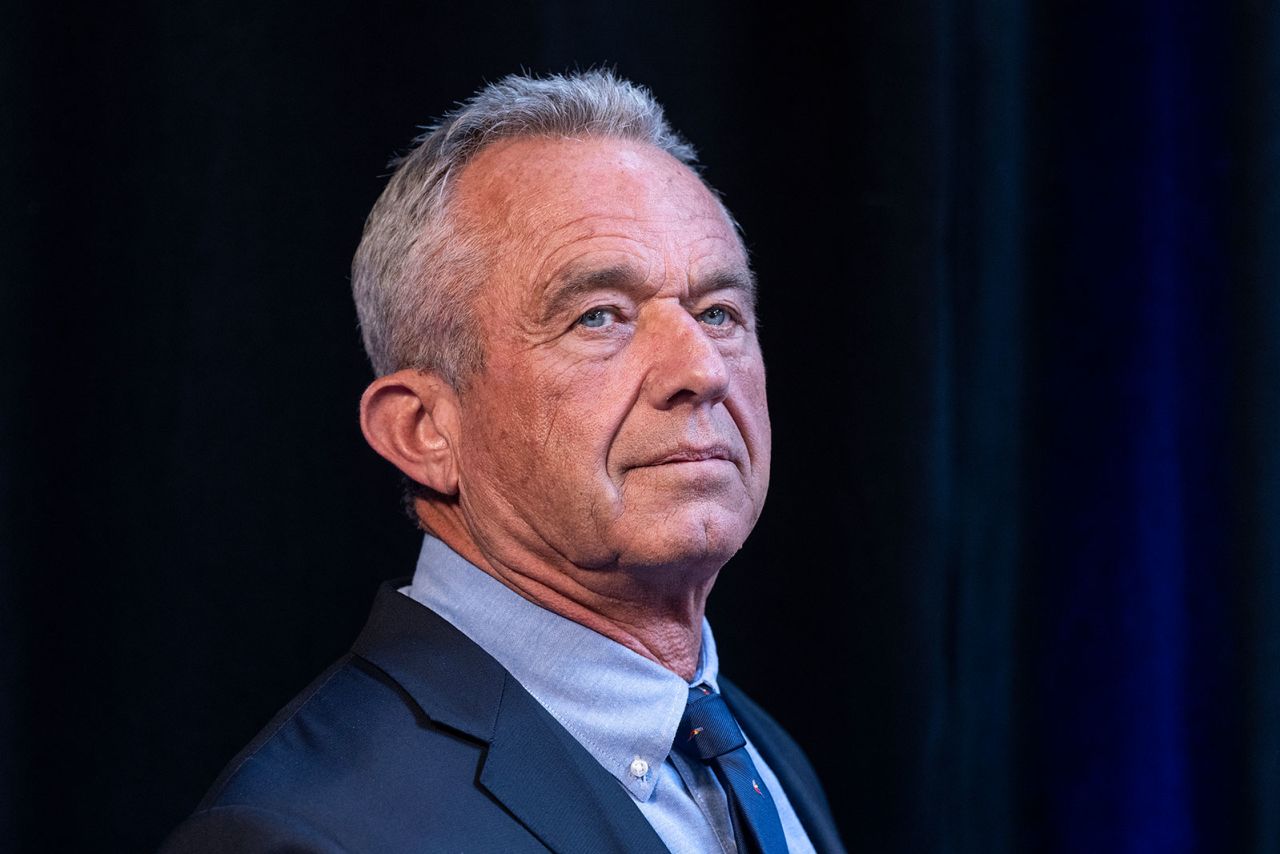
[561, 316]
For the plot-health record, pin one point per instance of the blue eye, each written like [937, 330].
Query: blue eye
[715, 316]
[595, 318]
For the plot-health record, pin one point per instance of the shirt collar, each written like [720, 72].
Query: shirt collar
[622, 707]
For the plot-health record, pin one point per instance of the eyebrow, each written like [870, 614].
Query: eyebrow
[565, 289]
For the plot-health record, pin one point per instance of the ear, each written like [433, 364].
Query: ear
[411, 419]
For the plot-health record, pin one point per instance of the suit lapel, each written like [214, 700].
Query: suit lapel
[555, 788]
[533, 766]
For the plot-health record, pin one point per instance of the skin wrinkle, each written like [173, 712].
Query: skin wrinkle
[557, 494]
[570, 606]
[509, 575]
[672, 651]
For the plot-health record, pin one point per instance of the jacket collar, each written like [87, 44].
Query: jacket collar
[619, 705]
[533, 766]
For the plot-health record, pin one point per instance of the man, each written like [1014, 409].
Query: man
[561, 317]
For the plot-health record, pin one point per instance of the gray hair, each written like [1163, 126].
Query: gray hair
[415, 269]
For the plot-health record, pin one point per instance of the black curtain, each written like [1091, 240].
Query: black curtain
[1017, 586]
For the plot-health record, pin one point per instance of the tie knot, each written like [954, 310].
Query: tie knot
[707, 729]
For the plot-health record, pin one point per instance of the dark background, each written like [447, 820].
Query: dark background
[1017, 587]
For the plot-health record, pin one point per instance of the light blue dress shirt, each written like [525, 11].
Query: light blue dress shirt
[620, 706]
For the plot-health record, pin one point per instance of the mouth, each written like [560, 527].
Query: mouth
[695, 455]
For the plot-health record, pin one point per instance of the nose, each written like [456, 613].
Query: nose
[685, 363]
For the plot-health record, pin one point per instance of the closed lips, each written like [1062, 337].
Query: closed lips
[693, 455]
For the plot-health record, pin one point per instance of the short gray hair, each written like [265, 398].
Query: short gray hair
[415, 270]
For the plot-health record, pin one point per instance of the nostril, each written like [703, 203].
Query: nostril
[697, 384]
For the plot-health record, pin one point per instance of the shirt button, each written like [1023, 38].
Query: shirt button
[639, 767]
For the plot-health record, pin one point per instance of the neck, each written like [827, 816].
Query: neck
[662, 622]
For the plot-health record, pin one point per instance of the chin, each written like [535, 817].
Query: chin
[703, 537]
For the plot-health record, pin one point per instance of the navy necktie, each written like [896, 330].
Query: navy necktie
[708, 732]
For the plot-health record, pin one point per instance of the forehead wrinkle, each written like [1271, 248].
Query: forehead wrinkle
[609, 225]
[547, 245]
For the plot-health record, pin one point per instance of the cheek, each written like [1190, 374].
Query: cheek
[553, 424]
[752, 405]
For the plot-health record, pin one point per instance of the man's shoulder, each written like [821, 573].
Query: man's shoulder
[351, 763]
[346, 718]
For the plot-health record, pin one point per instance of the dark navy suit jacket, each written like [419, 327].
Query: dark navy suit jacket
[418, 740]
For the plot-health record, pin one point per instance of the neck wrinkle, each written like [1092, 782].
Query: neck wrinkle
[669, 634]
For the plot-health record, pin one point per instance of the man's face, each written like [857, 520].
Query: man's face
[620, 419]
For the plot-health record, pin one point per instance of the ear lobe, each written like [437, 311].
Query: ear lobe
[411, 419]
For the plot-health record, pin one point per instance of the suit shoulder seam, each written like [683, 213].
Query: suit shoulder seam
[273, 727]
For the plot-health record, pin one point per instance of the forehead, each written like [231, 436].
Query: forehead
[544, 203]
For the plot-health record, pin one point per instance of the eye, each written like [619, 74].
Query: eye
[717, 315]
[597, 318]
